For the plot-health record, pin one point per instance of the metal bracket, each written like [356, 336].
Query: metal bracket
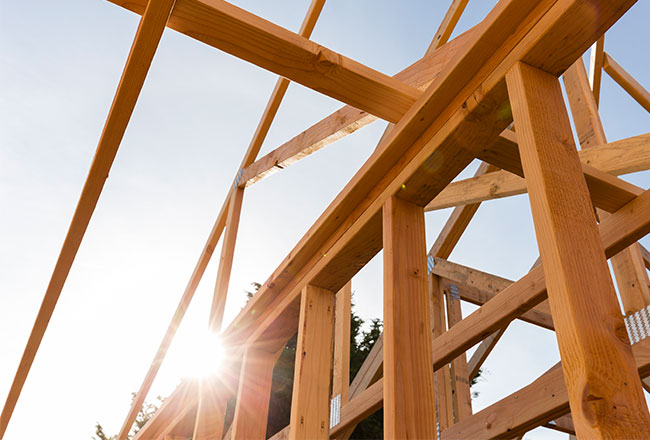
[335, 411]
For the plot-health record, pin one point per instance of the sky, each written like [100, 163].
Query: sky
[60, 66]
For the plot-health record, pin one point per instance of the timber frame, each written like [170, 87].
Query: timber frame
[492, 93]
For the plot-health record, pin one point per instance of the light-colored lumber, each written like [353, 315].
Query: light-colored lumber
[225, 262]
[310, 401]
[627, 81]
[621, 157]
[341, 367]
[459, 371]
[211, 409]
[544, 399]
[285, 53]
[596, 58]
[409, 405]
[482, 352]
[145, 43]
[253, 396]
[562, 424]
[583, 106]
[448, 23]
[605, 396]
[632, 279]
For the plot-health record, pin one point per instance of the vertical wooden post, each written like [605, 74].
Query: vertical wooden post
[341, 369]
[253, 396]
[442, 377]
[602, 381]
[211, 410]
[629, 269]
[409, 406]
[311, 383]
[459, 371]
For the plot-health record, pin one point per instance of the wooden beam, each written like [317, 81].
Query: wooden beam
[225, 262]
[253, 396]
[459, 372]
[285, 53]
[627, 81]
[448, 23]
[583, 106]
[348, 119]
[605, 396]
[562, 424]
[341, 366]
[596, 58]
[211, 410]
[482, 352]
[310, 401]
[544, 399]
[144, 47]
[409, 409]
[621, 157]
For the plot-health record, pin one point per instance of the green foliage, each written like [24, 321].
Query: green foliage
[146, 412]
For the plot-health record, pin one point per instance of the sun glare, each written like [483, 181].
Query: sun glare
[204, 355]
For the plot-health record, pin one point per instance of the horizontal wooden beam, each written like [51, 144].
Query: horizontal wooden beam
[274, 48]
[617, 158]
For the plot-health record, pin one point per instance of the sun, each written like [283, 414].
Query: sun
[199, 355]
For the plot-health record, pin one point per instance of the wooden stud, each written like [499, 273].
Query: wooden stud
[225, 262]
[310, 402]
[459, 372]
[627, 81]
[596, 58]
[409, 406]
[448, 24]
[211, 410]
[442, 377]
[341, 367]
[606, 398]
[253, 396]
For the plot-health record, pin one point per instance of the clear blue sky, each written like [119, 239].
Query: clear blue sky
[61, 62]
